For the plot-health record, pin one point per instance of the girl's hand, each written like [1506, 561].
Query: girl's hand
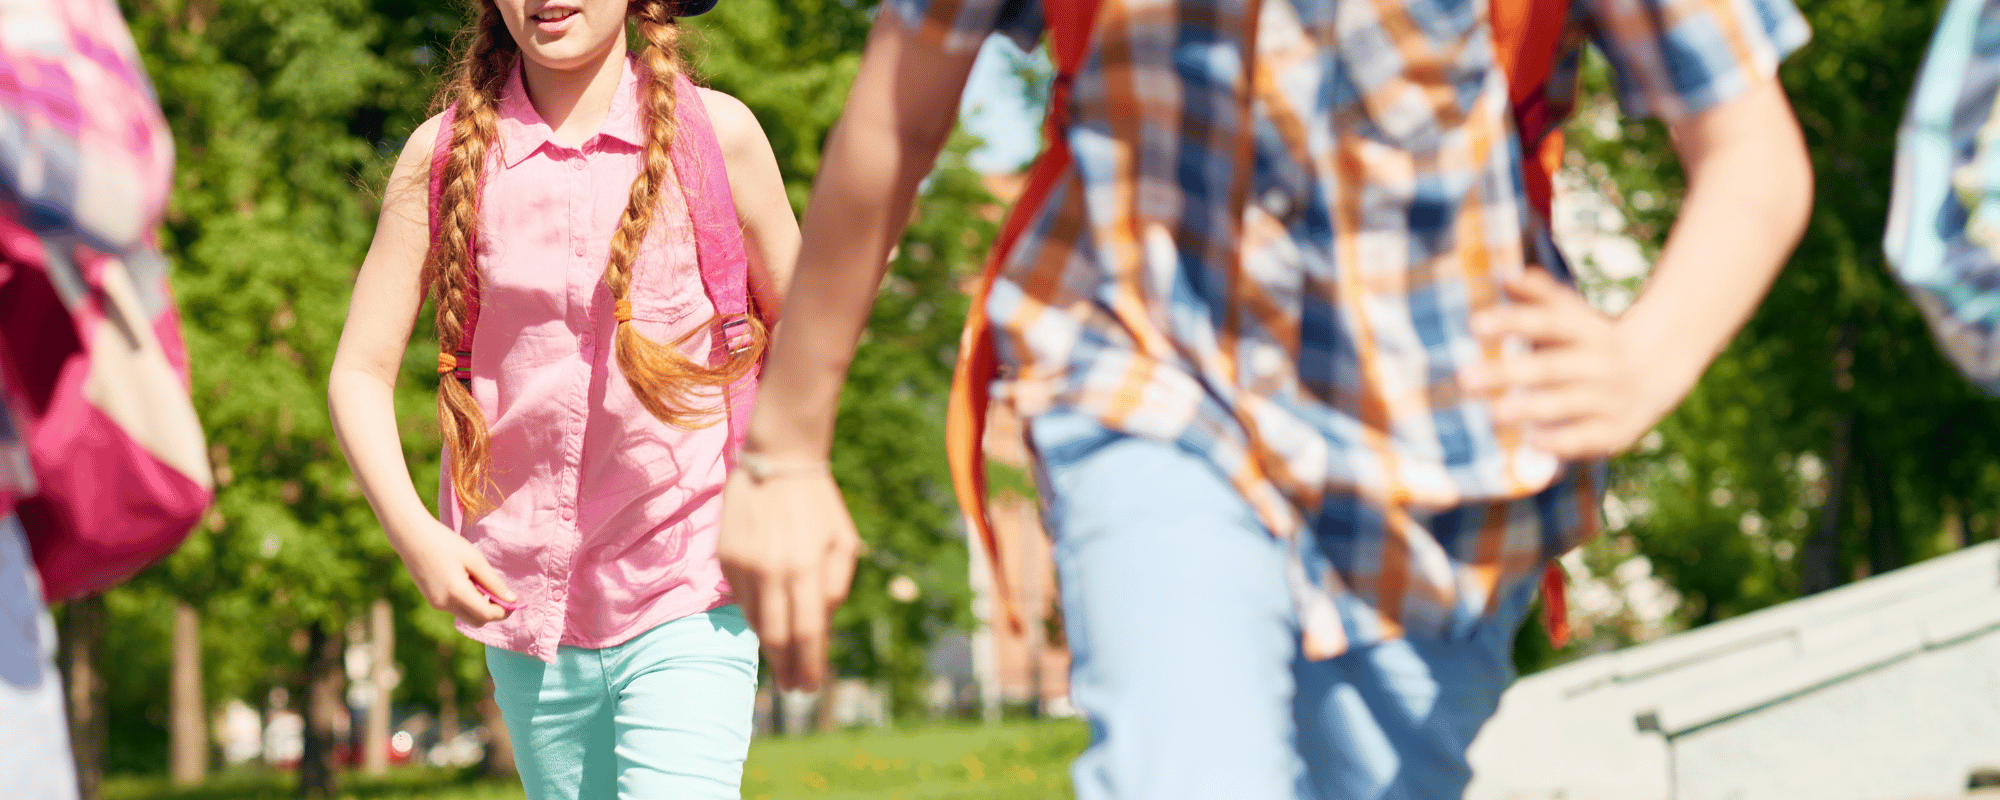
[450, 571]
[788, 548]
[1580, 390]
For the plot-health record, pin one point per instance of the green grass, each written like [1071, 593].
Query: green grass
[1011, 761]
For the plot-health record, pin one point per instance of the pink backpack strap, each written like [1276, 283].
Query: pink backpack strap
[441, 150]
[718, 237]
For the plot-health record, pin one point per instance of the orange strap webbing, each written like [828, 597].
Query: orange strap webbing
[1526, 34]
[1070, 25]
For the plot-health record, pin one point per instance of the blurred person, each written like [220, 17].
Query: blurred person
[606, 246]
[1311, 396]
[102, 466]
[1943, 234]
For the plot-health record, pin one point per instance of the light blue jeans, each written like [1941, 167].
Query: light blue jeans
[1185, 646]
[34, 733]
[665, 715]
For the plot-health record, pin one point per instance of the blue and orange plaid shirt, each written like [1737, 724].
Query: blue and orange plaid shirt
[1385, 205]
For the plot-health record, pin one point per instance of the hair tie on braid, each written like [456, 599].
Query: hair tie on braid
[622, 310]
[447, 363]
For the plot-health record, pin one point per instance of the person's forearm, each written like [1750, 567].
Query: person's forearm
[364, 420]
[883, 146]
[1749, 195]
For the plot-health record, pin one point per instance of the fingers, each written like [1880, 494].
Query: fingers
[1553, 405]
[1535, 370]
[773, 622]
[743, 587]
[838, 577]
[1585, 438]
[1542, 324]
[809, 624]
[468, 604]
[788, 551]
[485, 575]
[1535, 285]
[1540, 309]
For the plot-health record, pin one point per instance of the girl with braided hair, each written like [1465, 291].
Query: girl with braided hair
[605, 247]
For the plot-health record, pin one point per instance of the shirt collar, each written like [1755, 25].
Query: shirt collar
[523, 133]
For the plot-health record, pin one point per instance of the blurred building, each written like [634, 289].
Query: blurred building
[1029, 664]
[1885, 689]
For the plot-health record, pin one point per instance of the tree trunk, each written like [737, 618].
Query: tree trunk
[187, 732]
[324, 703]
[82, 646]
[382, 646]
[1819, 560]
[447, 695]
[778, 715]
[1035, 624]
[1885, 510]
[499, 761]
[826, 707]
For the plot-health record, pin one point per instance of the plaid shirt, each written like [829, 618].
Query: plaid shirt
[1385, 206]
[85, 162]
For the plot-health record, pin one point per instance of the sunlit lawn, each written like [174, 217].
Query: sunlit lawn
[1012, 761]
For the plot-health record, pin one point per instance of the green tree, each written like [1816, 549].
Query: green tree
[1830, 439]
[284, 113]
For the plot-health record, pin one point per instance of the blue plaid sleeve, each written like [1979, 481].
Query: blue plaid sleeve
[957, 26]
[1676, 58]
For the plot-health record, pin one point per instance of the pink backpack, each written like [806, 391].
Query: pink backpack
[96, 371]
[698, 162]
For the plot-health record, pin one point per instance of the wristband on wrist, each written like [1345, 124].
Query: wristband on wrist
[762, 469]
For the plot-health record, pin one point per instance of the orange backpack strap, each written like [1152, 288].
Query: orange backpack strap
[1527, 36]
[1069, 25]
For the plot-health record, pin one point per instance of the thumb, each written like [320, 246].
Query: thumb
[486, 576]
[1533, 285]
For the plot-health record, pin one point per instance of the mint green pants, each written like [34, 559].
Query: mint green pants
[665, 715]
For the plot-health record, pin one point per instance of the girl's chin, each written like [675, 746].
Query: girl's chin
[562, 57]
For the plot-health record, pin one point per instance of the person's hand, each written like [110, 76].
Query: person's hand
[450, 571]
[1580, 391]
[788, 548]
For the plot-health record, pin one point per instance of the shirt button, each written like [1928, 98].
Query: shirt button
[568, 513]
[576, 163]
[579, 248]
[584, 341]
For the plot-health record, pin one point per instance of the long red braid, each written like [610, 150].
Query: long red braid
[667, 382]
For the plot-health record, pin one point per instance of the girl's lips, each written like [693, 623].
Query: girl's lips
[558, 25]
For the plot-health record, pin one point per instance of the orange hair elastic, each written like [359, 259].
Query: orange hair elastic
[447, 363]
[622, 310]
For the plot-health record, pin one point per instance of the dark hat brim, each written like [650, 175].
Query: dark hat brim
[692, 8]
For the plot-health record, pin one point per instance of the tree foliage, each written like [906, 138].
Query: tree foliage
[1830, 440]
[285, 115]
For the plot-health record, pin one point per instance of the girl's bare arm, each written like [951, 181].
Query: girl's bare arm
[360, 393]
[770, 231]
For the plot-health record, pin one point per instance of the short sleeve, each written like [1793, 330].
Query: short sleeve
[1676, 58]
[957, 26]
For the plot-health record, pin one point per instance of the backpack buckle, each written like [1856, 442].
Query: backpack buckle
[730, 333]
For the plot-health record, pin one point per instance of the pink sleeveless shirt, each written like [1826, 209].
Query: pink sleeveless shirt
[607, 518]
